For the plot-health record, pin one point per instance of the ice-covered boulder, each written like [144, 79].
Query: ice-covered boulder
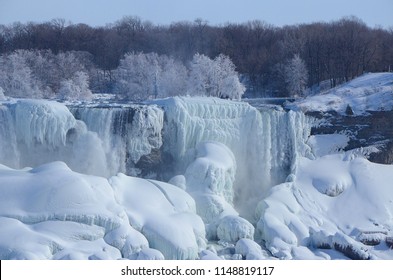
[233, 228]
[150, 254]
[164, 214]
[213, 171]
[250, 250]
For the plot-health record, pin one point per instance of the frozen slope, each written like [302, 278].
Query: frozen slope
[51, 212]
[335, 202]
[369, 92]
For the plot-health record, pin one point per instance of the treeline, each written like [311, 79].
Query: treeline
[332, 52]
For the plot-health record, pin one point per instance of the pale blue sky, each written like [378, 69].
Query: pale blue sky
[276, 12]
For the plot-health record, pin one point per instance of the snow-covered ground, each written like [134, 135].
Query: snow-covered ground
[245, 183]
[369, 92]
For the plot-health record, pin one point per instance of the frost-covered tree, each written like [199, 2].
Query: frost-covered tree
[296, 76]
[39, 73]
[200, 81]
[216, 77]
[173, 77]
[16, 77]
[137, 76]
[229, 85]
[143, 76]
[76, 88]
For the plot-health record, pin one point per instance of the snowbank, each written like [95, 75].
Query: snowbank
[164, 214]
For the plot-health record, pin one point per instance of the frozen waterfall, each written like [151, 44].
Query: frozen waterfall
[157, 139]
[265, 142]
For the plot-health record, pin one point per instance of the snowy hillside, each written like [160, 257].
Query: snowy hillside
[369, 92]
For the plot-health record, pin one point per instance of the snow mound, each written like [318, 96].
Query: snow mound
[209, 180]
[169, 222]
[250, 250]
[330, 201]
[150, 254]
[233, 228]
[212, 171]
[325, 144]
[369, 92]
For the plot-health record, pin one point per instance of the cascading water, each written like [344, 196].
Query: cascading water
[128, 134]
[8, 150]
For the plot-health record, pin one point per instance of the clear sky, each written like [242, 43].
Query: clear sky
[276, 12]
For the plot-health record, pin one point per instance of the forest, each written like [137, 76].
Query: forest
[63, 59]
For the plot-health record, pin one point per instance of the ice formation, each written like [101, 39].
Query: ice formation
[250, 250]
[103, 142]
[160, 211]
[51, 212]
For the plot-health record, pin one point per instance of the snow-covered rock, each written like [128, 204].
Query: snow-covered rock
[163, 213]
[213, 171]
[150, 254]
[233, 228]
[250, 250]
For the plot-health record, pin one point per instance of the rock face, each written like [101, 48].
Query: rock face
[373, 129]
